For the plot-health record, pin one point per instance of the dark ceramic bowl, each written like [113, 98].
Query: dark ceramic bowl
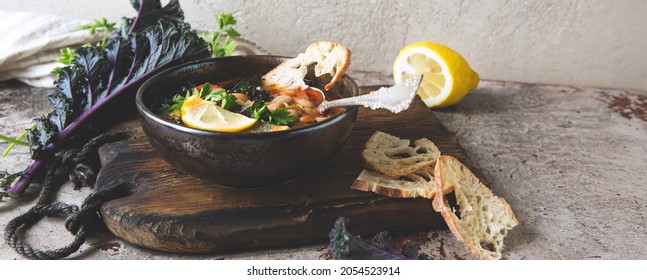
[245, 159]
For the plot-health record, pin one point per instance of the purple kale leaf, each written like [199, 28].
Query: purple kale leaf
[102, 79]
[345, 246]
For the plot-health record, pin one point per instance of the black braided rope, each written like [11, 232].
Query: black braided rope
[29, 219]
[90, 208]
[80, 166]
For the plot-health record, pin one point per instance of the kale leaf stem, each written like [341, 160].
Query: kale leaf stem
[25, 180]
[46, 154]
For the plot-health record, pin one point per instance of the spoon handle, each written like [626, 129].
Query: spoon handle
[396, 98]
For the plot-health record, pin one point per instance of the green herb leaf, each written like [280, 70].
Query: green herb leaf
[225, 49]
[222, 47]
[99, 25]
[262, 114]
[66, 58]
[204, 92]
[281, 116]
[259, 111]
[232, 32]
[175, 105]
[228, 102]
[102, 25]
[224, 20]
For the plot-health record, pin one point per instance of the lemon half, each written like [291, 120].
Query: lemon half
[447, 77]
[201, 114]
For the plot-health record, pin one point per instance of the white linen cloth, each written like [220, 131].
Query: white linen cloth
[30, 43]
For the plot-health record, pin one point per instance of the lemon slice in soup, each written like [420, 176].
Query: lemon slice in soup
[201, 114]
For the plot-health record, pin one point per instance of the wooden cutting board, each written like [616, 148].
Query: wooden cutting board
[171, 211]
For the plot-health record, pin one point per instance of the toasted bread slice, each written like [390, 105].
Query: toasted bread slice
[484, 218]
[327, 58]
[419, 184]
[395, 157]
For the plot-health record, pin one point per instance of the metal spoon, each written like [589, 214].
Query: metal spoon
[396, 98]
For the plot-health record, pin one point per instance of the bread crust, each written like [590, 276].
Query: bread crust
[395, 157]
[327, 57]
[331, 58]
[420, 184]
[444, 172]
[395, 169]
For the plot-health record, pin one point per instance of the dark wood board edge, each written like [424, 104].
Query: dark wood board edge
[301, 225]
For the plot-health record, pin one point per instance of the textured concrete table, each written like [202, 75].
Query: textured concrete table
[570, 161]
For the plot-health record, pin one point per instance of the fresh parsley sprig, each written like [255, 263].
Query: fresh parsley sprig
[281, 116]
[219, 95]
[66, 58]
[101, 25]
[259, 111]
[173, 108]
[226, 22]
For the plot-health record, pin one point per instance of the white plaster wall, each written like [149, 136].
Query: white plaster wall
[597, 43]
